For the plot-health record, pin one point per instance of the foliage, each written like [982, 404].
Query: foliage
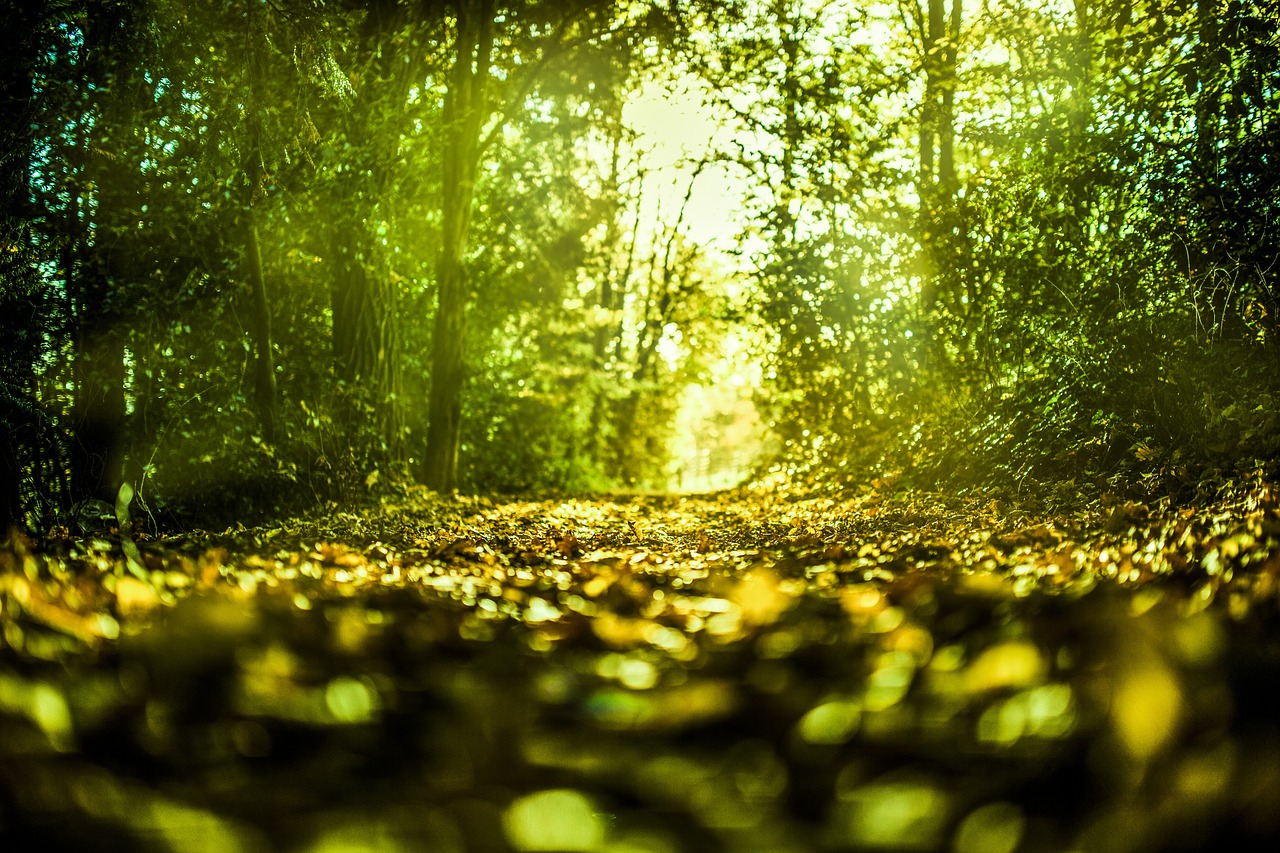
[300, 125]
[1017, 247]
[1083, 309]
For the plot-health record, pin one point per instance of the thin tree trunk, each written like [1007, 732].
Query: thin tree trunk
[936, 182]
[946, 123]
[613, 283]
[264, 372]
[465, 112]
[931, 47]
[1079, 188]
[789, 218]
[1081, 116]
[98, 344]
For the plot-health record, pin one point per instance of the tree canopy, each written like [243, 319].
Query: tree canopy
[267, 253]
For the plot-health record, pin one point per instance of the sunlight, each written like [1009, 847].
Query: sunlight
[669, 346]
[675, 128]
[671, 121]
[719, 437]
[676, 133]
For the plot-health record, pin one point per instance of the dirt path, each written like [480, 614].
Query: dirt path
[737, 673]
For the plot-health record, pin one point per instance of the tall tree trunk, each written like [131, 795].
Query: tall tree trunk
[1081, 114]
[98, 413]
[613, 282]
[98, 339]
[936, 181]
[945, 125]
[1080, 185]
[264, 370]
[465, 111]
[789, 221]
[931, 38]
[1210, 61]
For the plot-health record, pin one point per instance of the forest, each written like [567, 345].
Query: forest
[639, 426]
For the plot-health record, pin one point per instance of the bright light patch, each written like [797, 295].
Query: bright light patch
[993, 828]
[1146, 709]
[671, 122]
[561, 820]
[719, 436]
[675, 127]
[669, 346]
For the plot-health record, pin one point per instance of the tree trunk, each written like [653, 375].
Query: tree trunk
[936, 182]
[613, 276]
[946, 118]
[789, 218]
[931, 48]
[1079, 185]
[1081, 115]
[98, 339]
[98, 413]
[465, 111]
[264, 371]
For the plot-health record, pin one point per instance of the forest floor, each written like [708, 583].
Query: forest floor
[733, 672]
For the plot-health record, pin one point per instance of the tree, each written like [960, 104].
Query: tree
[818, 100]
[533, 38]
[370, 126]
[116, 97]
[466, 111]
[543, 217]
[256, 179]
[937, 37]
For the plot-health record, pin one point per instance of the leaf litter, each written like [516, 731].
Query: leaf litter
[745, 671]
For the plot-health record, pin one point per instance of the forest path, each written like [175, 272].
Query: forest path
[656, 673]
